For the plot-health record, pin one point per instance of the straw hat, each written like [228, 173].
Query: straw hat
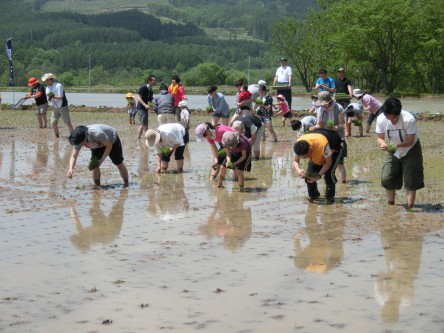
[152, 138]
[324, 97]
[129, 95]
[48, 76]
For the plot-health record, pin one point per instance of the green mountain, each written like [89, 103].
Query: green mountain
[114, 41]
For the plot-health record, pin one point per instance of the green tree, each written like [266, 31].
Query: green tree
[205, 74]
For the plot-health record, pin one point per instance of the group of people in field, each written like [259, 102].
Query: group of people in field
[235, 139]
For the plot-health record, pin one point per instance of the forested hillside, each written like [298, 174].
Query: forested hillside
[119, 42]
[388, 46]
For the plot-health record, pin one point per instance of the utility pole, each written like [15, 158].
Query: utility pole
[89, 72]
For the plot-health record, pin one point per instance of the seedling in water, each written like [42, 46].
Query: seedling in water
[93, 163]
[357, 122]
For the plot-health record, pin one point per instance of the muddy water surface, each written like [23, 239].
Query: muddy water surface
[174, 253]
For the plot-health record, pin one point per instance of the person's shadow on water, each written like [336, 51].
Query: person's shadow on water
[103, 228]
[394, 289]
[324, 250]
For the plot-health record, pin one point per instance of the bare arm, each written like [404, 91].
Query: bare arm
[381, 141]
[72, 162]
[298, 168]
[108, 147]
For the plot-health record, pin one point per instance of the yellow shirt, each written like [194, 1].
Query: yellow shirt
[317, 143]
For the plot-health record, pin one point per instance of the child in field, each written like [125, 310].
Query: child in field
[238, 149]
[131, 105]
[283, 107]
[265, 111]
[314, 107]
[244, 95]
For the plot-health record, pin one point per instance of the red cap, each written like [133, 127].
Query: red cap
[32, 81]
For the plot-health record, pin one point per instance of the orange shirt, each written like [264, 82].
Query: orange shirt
[317, 143]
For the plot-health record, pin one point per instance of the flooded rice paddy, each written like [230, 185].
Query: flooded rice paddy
[174, 253]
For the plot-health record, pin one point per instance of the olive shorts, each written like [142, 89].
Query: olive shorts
[41, 109]
[410, 168]
[62, 112]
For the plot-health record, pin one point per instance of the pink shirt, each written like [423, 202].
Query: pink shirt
[220, 130]
[370, 103]
[284, 107]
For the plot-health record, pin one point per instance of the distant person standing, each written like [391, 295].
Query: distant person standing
[164, 106]
[217, 102]
[283, 77]
[325, 83]
[56, 95]
[254, 89]
[176, 89]
[41, 101]
[145, 97]
[131, 106]
[344, 90]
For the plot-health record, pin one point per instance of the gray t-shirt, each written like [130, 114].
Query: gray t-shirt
[97, 134]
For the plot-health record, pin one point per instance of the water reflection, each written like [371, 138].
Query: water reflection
[57, 178]
[166, 197]
[229, 219]
[143, 159]
[12, 164]
[394, 288]
[102, 228]
[324, 250]
[42, 154]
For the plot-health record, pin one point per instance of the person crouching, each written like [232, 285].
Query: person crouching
[238, 150]
[166, 140]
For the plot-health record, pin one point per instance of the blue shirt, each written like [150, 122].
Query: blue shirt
[329, 83]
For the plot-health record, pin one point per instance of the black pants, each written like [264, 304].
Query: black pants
[330, 178]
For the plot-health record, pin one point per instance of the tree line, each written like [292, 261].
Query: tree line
[388, 46]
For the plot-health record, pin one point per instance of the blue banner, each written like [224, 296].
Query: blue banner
[9, 53]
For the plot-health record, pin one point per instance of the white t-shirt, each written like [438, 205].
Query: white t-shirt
[57, 89]
[283, 74]
[170, 134]
[397, 133]
[185, 118]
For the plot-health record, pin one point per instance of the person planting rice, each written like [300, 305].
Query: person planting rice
[322, 148]
[331, 115]
[304, 125]
[252, 128]
[131, 106]
[351, 111]
[404, 161]
[371, 104]
[166, 140]
[103, 142]
[213, 134]
[238, 149]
